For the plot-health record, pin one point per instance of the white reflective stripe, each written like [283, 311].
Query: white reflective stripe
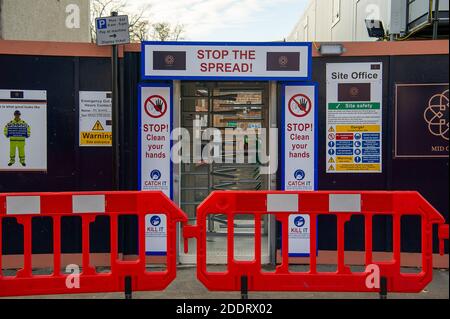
[88, 204]
[23, 205]
[345, 203]
[278, 203]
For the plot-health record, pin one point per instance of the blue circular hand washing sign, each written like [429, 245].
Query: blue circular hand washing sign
[299, 221]
[299, 175]
[155, 221]
[155, 175]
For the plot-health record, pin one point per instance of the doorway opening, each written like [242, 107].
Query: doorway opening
[223, 106]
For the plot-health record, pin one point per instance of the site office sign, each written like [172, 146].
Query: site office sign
[354, 127]
[221, 61]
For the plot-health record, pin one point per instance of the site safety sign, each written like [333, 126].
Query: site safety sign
[354, 129]
[95, 119]
[155, 126]
[203, 60]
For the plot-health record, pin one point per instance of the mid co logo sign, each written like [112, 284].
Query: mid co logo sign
[422, 120]
[436, 115]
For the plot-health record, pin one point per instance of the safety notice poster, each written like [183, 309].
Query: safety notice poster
[354, 117]
[155, 235]
[299, 236]
[299, 154]
[23, 121]
[154, 138]
[95, 119]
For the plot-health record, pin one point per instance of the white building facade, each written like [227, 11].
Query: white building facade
[45, 20]
[344, 20]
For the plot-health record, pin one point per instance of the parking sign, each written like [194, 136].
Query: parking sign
[113, 30]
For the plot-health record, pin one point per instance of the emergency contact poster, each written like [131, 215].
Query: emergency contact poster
[95, 119]
[23, 121]
[354, 118]
[154, 138]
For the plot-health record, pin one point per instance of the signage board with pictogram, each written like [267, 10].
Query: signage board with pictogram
[98, 126]
[155, 127]
[218, 61]
[95, 119]
[422, 120]
[354, 117]
[299, 235]
[112, 30]
[300, 105]
[299, 156]
[23, 138]
[155, 106]
[156, 235]
[299, 137]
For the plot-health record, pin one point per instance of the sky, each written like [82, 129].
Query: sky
[227, 20]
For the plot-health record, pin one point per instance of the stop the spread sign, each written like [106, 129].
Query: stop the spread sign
[299, 138]
[189, 60]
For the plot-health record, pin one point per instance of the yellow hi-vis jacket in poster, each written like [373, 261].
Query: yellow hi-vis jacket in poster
[17, 132]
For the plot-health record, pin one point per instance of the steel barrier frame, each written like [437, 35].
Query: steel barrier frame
[248, 276]
[124, 276]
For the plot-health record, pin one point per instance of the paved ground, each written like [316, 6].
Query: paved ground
[186, 286]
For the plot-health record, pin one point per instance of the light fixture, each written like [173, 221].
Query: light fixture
[375, 28]
[332, 49]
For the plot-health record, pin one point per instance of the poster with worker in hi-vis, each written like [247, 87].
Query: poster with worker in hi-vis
[23, 118]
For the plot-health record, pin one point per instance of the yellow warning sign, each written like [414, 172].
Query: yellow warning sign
[95, 139]
[344, 159]
[331, 161]
[358, 128]
[331, 169]
[331, 130]
[359, 167]
[98, 127]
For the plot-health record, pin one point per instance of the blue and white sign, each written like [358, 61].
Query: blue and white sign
[354, 118]
[156, 235]
[155, 126]
[262, 61]
[299, 156]
[299, 236]
[299, 137]
[112, 30]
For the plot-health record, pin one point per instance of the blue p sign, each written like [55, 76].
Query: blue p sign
[101, 24]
